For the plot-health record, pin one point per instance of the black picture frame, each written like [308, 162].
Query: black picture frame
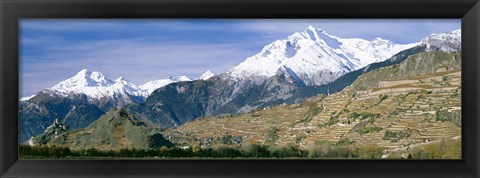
[13, 10]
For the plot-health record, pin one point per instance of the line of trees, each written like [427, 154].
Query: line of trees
[442, 150]
[221, 151]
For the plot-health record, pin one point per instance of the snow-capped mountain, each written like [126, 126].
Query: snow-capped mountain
[289, 67]
[316, 57]
[27, 98]
[313, 57]
[450, 41]
[96, 85]
[79, 100]
[208, 74]
[181, 78]
[151, 86]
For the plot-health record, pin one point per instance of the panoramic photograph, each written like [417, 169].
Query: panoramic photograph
[240, 89]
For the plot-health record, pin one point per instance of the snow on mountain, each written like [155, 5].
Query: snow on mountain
[151, 86]
[27, 98]
[316, 57]
[181, 78]
[313, 56]
[208, 74]
[292, 75]
[449, 41]
[96, 86]
[156, 84]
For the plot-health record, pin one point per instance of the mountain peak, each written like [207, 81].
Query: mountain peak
[313, 53]
[457, 31]
[119, 79]
[86, 78]
[83, 72]
[182, 78]
[179, 78]
[314, 29]
[378, 41]
[310, 27]
[99, 78]
[208, 74]
[448, 41]
[95, 85]
[151, 86]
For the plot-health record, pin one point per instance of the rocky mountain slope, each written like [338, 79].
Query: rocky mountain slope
[37, 113]
[397, 107]
[288, 76]
[449, 42]
[185, 101]
[82, 99]
[181, 102]
[113, 131]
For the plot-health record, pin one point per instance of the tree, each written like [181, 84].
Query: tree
[370, 152]
[196, 148]
[164, 150]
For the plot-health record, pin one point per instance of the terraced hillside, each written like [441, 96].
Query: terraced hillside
[402, 106]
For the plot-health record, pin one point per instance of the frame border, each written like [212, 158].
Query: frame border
[13, 10]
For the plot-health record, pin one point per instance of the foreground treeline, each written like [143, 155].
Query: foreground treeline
[223, 151]
[432, 151]
[445, 149]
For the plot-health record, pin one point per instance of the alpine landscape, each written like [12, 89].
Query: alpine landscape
[310, 95]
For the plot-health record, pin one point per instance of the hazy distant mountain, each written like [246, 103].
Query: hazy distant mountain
[151, 86]
[205, 76]
[450, 41]
[100, 89]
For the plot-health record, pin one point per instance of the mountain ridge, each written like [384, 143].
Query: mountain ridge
[314, 53]
[216, 95]
[397, 107]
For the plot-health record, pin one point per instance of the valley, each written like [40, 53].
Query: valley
[310, 95]
[390, 113]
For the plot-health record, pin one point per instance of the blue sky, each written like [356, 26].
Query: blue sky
[52, 50]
